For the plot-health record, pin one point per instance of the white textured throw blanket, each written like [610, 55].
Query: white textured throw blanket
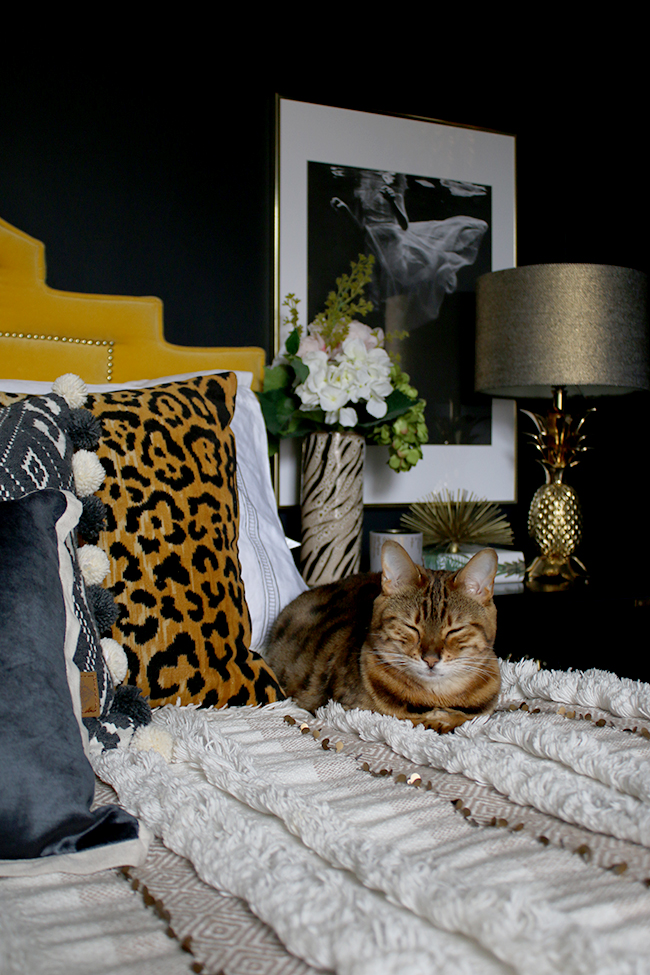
[518, 843]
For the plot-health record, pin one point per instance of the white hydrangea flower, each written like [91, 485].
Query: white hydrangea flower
[353, 350]
[115, 658]
[344, 376]
[376, 406]
[72, 389]
[94, 564]
[88, 472]
[348, 417]
[367, 374]
[359, 372]
[309, 391]
[332, 396]
[149, 737]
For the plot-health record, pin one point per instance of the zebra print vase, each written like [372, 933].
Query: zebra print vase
[331, 499]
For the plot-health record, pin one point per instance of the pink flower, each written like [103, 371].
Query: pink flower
[371, 337]
[311, 343]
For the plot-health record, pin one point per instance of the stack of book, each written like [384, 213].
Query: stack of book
[510, 572]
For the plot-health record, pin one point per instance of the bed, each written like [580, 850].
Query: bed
[163, 807]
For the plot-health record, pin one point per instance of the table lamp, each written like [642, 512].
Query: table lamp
[556, 330]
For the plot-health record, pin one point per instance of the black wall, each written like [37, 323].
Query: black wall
[144, 182]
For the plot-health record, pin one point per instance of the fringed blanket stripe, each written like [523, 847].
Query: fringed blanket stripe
[585, 688]
[505, 751]
[361, 875]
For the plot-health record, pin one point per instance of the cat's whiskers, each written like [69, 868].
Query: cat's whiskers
[394, 658]
[470, 666]
[444, 668]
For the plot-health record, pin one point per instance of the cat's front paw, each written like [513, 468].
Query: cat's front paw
[443, 720]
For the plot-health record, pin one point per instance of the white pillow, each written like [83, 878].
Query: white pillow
[40, 387]
[270, 577]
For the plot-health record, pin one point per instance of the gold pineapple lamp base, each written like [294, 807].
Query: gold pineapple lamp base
[555, 516]
[550, 573]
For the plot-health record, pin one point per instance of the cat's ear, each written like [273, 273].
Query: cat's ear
[398, 570]
[477, 577]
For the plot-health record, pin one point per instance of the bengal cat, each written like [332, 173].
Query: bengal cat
[409, 641]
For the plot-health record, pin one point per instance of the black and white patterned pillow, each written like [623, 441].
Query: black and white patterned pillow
[38, 440]
[35, 451]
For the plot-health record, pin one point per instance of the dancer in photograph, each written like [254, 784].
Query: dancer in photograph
[418, 262]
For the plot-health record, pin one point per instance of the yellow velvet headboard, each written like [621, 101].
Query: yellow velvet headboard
[103, 338]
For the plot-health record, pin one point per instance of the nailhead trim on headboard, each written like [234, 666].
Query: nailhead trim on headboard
[75, 341]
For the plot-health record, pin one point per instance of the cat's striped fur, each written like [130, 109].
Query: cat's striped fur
[408, 641]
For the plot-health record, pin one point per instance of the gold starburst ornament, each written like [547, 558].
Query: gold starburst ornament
[451, 520]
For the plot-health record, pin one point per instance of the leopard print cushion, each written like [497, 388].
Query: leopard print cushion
[8, 399]
[171, 534]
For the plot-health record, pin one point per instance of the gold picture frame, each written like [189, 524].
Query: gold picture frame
[344, 139]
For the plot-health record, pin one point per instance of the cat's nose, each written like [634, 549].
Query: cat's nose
[431, 658]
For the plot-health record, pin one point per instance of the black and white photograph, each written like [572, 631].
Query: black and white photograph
[431, 239]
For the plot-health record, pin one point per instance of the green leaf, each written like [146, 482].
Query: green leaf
[277, 409]
[304, 422]
[300, 369]
[276, 377]
[293, 342]
[397, 403]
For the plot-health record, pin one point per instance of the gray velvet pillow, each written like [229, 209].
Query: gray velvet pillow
[46, 781]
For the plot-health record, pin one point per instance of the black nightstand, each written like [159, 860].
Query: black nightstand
[587, 626]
